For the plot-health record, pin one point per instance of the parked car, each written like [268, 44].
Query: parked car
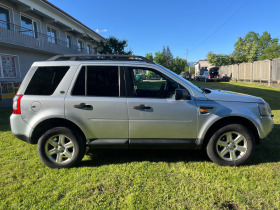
[211, 75]
[65, 105]
[186, 75]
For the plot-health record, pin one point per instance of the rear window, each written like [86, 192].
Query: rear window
[101, 81]
[45, 80]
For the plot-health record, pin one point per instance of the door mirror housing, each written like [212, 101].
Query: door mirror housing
[182, 94]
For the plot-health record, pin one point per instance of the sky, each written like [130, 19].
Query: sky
[196, 26]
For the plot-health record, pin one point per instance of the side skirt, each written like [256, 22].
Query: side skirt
[143, 144]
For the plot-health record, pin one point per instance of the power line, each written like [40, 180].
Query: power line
[220, 26]
[214, 22]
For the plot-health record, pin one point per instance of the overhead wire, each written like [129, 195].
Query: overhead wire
[217, 29]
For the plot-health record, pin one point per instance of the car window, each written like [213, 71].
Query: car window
[149, 83]
[100, 81]
[45, 80]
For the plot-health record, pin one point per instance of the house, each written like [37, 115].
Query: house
[35, 30]
[201, 66]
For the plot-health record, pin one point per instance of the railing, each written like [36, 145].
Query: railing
[30, 38]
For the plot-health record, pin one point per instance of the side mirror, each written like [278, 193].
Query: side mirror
[182, 94]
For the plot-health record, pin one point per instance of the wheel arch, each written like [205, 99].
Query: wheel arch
[231, 120]
[47, 124]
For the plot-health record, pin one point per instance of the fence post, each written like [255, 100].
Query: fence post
[238, 72]
[269, 72]
[252, 66]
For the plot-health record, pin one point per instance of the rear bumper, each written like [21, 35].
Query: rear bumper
[20, 128]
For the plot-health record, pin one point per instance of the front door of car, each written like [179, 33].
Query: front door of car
[152, 109]
[95, 104]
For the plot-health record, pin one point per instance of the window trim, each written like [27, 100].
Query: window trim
[57, 34]
[11, 12]
[71, 40]
[82, 45]
[33, 20]
[90, 49]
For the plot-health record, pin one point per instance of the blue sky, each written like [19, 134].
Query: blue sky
[198, 25]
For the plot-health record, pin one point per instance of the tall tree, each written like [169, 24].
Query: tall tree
[114, 46]
[219, 59]
[164, 57]
[179, 65]
[246, 49]
[150, 56]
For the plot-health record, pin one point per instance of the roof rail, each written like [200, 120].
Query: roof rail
[81, 57]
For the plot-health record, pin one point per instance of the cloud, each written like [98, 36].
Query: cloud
[101, 31]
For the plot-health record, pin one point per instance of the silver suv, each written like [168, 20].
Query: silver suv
[71, 102]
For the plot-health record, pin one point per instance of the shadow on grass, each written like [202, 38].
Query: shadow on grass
[270, 95]
[108, 157]
[266, 152]
[5, 114]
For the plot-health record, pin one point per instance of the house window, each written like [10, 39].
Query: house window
[7, 66]
[88, 49]
[52, 35]
[69, 41]
[30, 27]
[80, 46]
[4, 18]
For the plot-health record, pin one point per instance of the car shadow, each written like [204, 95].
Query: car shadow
[96, 158]
[265, 152]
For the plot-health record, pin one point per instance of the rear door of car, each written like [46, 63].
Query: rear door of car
[96, 103]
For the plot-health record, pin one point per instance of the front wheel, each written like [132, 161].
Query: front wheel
[231, 145]
[60, 148]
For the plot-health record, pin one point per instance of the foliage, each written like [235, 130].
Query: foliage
[143, 179]
[179, 65]
[166, 59]
[219, 59]
[114, 46]
[150, 56]
[250, 48]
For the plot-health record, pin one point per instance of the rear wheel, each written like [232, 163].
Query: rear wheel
[61, 148]
[231, 145]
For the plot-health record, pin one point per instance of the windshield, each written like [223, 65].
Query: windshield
[181, 78]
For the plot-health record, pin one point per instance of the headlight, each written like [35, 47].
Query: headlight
[264, 109]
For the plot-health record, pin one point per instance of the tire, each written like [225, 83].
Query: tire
[231, 145]
[65, 148]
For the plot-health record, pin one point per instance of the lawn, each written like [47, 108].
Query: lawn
[143, 179]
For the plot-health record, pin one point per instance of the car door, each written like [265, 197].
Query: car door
[95, 104]
[153, 111]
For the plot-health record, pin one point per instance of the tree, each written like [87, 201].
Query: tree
[246, 49]
[150, 56]
[179, 65]
[164, 58]
[255, 47]
[268, 47]
[114, 46]
[219, 59]
[250, 48]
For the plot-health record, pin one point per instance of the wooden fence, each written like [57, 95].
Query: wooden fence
[267, 71]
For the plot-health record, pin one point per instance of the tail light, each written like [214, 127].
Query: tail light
[209, 76]
[16, 104]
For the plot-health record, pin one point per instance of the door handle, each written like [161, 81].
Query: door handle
[142, 107]
[83, 106]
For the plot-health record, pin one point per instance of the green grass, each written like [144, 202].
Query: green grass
[143, 179]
